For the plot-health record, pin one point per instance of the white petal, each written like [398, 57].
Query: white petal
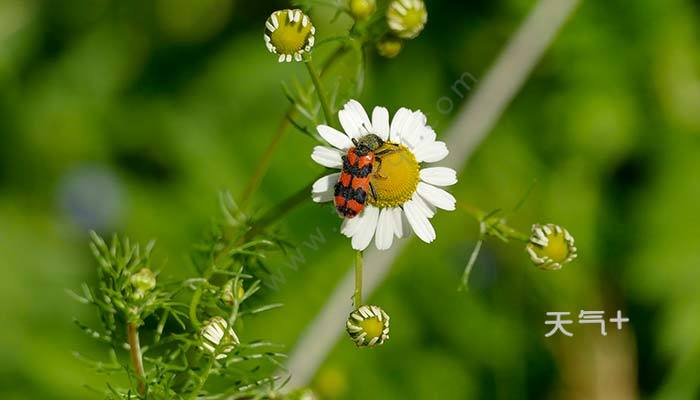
[354, 119]
[399, 222]
[323, 189]
[385, 229]
[328, 157]
[350, 226]
[334, 137]
[439, 176]
[398, 123]
[410, 134]
[426, 136]
[420, 224]
[431, 152]
[367, 226]
[427, 209]
[436, 196]
[380, 122]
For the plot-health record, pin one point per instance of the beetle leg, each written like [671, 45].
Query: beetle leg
[379, 167]
[393, 147]
[372, 192]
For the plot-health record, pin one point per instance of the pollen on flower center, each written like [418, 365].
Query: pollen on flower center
[395, 178]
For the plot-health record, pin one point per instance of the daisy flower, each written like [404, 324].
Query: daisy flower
[407, 193]
[290, 34]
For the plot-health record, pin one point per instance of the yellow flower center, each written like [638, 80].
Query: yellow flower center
[395, 178]
[557, 249]
[290, 36]
[373, 326]
[414, 19]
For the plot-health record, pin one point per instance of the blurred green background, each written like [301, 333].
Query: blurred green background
[131, 115]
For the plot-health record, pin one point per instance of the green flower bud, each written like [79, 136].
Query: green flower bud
[551, 246]
[227, 293]
[362, 9]
[215, 340]
[368, 326]
[143, 282]
[301, 394]
[406, 18]
[389, 46]
[290, 34]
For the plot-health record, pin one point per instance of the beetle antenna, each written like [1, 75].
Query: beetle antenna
[366, 128]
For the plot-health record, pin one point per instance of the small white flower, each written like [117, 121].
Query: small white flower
[214, 339]
[368, 326]
[290, 34]
[407, 193]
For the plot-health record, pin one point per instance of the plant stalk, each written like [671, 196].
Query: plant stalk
[357, 297]
[316, 79]
[264, 162]
[136, 357]
[203, 378]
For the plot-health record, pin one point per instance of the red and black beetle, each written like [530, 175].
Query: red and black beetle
[354, 183]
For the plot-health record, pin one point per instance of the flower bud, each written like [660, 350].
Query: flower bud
[389, 46]
[362, 9]
[228, 292]
[301, 394]
[551, 246]
[289, 33]
[214, 339]
[406, 18]
[143, 282]
[368, 326]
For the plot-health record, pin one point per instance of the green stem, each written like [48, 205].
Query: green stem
[264, 162]
[470, 264]
[132, 333]
[283, 208]
[316, 79]
[357, 297]
[203, 378]
[193, 307]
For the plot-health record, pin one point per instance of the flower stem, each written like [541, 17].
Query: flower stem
[264, 161]
[203, 378]
[282, 208]
[316, 79]
[136, 357]
[472, 260]
[357, 297]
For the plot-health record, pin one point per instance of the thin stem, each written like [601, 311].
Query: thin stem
[282, 208]
[316, 79]
[136, 357]
[472, 260]
[357, 297]
[194, 303]
[203, 378]
[264, 162]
